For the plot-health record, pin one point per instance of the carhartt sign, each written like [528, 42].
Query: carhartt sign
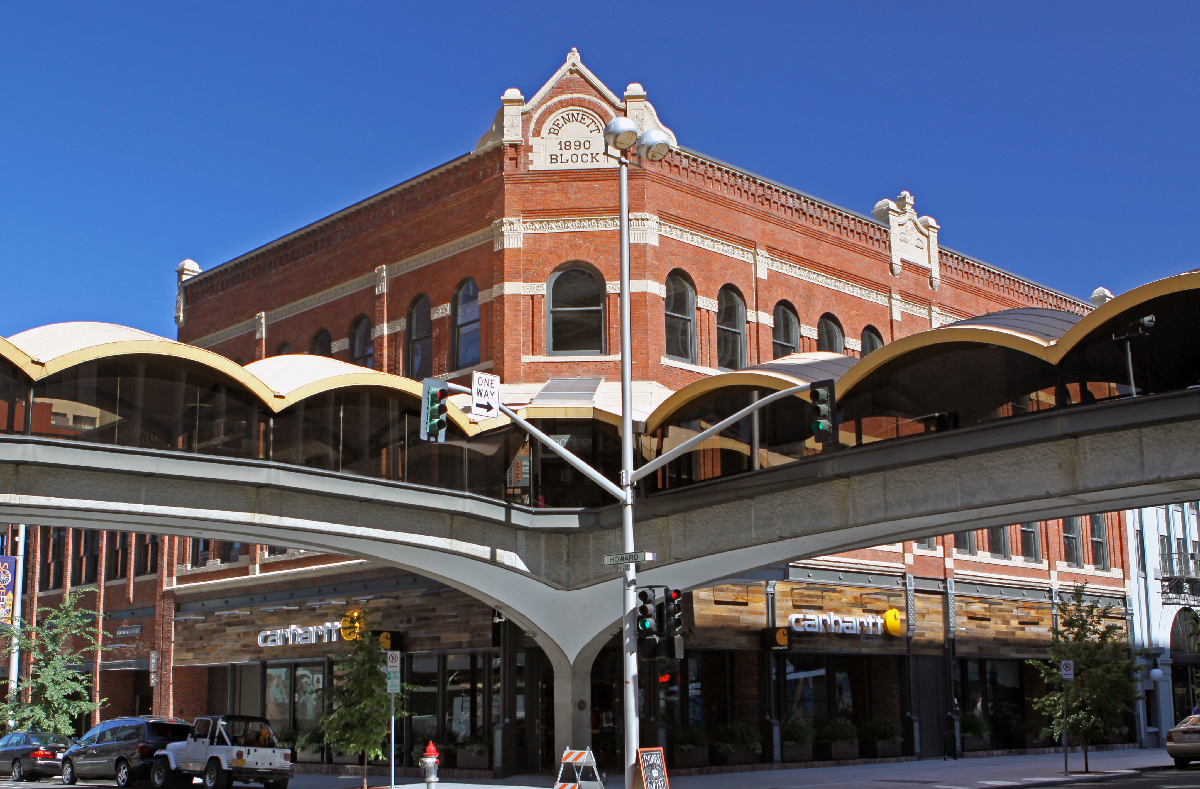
[293, 634]
[844, 624]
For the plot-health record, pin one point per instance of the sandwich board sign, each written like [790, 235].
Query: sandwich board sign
[651, 770]
[577, 770]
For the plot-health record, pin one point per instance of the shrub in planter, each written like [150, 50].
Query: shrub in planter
[796, 734]
[472, 754]
[1035, 733]
[976, 733]
[834, 739]
[880, 738]
[688, 746]
[737, 743]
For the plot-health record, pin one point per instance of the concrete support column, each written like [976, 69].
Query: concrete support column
[572, 696]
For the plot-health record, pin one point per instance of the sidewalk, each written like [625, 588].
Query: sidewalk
[985, 773]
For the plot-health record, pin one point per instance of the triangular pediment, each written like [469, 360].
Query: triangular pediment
[573, 104]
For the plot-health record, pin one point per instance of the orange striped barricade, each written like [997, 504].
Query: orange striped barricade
[578, 771]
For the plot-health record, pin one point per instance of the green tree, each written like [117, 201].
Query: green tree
[1104, 686]
[356, 713]
[58, 695]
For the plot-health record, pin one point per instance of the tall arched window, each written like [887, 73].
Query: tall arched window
[872, 340]
[785, 337]
[731, 326]
[575, 306]
[829, 335]
[466, 324]
[680, 316]
[322, 344]
[420, 338]
[284, 347]
[362, 342]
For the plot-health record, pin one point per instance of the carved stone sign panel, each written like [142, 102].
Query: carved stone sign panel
[572, 139]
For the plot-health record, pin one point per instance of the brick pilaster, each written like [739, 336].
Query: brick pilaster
[101, 573]
[380, 320]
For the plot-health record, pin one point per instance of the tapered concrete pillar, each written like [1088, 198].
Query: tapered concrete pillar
[573, 697]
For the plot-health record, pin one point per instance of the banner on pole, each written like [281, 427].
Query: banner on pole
[8, 587]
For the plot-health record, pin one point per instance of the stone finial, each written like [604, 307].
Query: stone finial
[183, 272]
[634, 90]
[573, 55]
[512, 96]
[187, 269]
[1101, 295]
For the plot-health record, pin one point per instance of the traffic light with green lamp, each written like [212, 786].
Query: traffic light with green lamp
[824, 412]
[647, 625]
[435, 397]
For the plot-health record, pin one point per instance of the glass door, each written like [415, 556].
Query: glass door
[309, 699]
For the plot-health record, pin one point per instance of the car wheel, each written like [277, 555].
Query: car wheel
[1182, 763]
[68, 773]
[214, 776]
[17, 774]
[124, 776]
[161, 775]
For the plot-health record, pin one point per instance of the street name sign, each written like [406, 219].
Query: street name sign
[628, 558]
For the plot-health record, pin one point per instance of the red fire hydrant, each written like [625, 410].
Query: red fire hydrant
[429, 763]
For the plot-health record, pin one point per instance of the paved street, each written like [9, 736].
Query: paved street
[1139, 769]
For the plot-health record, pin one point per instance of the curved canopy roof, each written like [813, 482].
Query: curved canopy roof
[781, 373]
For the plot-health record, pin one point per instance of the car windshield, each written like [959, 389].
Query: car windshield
[171, 732]
[250, 732]
[40, 738]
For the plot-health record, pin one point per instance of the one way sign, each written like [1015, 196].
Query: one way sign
[485, 396]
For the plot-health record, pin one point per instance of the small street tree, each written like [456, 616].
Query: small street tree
[57, 695]
[356, 714]
[1104, 686]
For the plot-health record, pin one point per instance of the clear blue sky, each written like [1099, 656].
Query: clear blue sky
[1056, 140]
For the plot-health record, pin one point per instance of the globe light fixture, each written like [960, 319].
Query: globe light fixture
[621, 133]
[653, 145]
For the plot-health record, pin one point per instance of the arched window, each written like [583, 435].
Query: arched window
[731, 326]
[420, 338]
[575, 305]
[322, 344]
[466, 325]
[680, 316]
[829, 335]
[284, 347]
[872, 340]
[362, 343]
[785, 337]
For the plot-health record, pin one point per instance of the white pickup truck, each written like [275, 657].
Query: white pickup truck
[221, 750]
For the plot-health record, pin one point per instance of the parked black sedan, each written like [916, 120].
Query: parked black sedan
[29, 755]
[122, 749]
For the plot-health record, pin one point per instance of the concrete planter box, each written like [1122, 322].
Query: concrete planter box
[741, 754]
[879, 749]
[977, 743]
[465, 759]
[797, 753]
[835, 751]
[689, 757]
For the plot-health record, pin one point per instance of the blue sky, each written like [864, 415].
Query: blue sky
[1055, 140]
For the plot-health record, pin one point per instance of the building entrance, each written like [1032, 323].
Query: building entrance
[1185, 661]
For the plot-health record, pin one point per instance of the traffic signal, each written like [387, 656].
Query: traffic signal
[824, 412]
[672, 646]
[435, 396]
[647, 625]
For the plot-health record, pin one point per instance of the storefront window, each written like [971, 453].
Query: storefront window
[464, 695]
[422, 699]
[310, 682]
[695, 701]
[806, 687]
[278, 696]
[993, 690]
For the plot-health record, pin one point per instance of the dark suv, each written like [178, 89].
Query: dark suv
[122, 748]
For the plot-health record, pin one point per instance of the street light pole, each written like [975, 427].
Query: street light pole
[629, 592]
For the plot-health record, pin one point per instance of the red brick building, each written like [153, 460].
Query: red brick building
[506, 259]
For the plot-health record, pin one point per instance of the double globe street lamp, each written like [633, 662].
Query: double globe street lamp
[653, 145]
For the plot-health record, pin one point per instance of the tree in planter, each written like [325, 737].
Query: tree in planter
[356, 714]
[1104, 686]
[58, 695]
